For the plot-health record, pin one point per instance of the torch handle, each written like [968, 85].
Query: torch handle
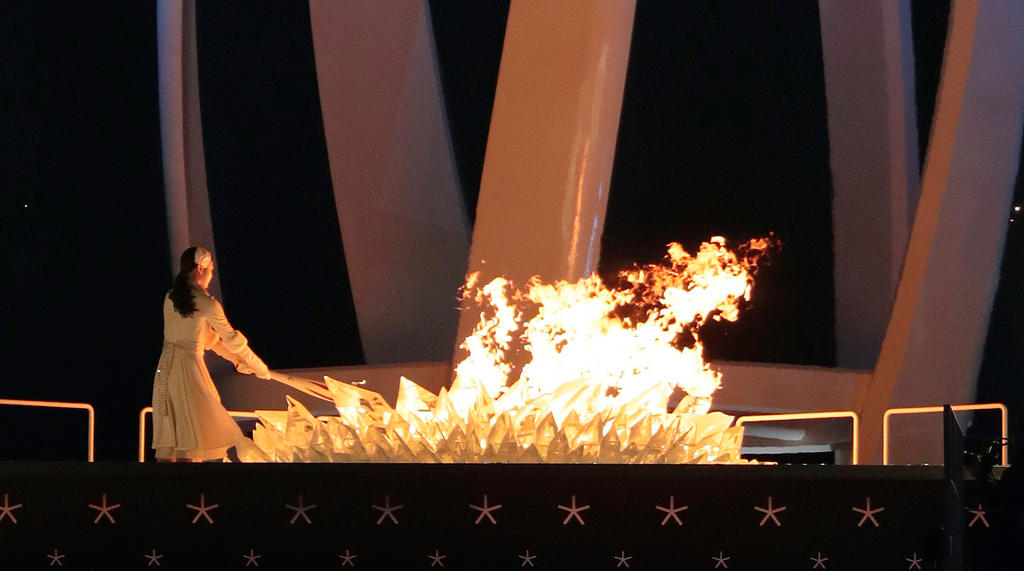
[308, 386]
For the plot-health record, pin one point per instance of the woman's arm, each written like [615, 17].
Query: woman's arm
[231, 342]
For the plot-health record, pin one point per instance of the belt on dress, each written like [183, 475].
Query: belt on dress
[171, 348]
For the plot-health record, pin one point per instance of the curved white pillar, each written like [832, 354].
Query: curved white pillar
[181, 131]
[551, 145]
[936, 336]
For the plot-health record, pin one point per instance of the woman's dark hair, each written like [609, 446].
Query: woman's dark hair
[181, 289]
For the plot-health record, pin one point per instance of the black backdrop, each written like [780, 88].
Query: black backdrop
[85, 262]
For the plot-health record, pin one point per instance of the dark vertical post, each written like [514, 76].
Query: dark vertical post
[952, 501]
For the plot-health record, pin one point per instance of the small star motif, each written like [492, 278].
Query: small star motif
[388, 511]
[251, 558]
[485, 511]
[979, 514]
[7, 510]
[55, 559]
[300, 510]
[202, 510]
[720, 561]
[574, 511]
[527, 559]
[436, 560]
[153, 558]
[623, 560]
[868, 513]
[671, 511]
[770, 512]
[104, 510]
[819, 561]
[346, 560]
[915, 563]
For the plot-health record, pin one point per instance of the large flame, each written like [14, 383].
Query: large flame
[561, 372]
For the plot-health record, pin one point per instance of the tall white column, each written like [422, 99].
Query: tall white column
[934, 342]
[403, 222]
[868, 54]
[551, 145]
[181, 131]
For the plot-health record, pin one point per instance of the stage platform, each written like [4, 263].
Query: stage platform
[496, 516]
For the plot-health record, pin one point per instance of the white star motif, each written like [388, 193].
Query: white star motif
[868, 513]
[7, 510]
[55, 559]
[978, 514]
[574, 511]
[104, 510]
[300, 510]
[720, 561]
[819, 561]
[623, 559]
[770, 512]
[485, 511]
[915, 563]
[251, 559]
[671, 511]
[347, 559]
[527, 559]
[436, 559]
[202, 510]
[154, 559]
[387, 511]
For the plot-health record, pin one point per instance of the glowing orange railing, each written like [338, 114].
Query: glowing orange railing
[58, 404]
[933, 409]
[149, 410]
[809, 416]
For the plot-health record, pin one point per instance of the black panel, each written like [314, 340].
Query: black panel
[930, 22]
[723, 132]
[83, 227]
[279, 249]
[241, 510]
[468, 35]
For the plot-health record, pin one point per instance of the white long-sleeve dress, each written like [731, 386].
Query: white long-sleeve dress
[189, 420]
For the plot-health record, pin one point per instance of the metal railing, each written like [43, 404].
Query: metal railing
[149, 410]
[933, 409]
[810, 416]
[59, 404]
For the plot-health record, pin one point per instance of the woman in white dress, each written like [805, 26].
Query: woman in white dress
[189, 421]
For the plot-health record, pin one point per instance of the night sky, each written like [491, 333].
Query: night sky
[723, 131]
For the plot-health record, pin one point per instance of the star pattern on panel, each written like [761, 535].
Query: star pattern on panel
[153, 558]
[574, 511]
[300, 511]
[819, 561]
[720, 560]
[387, 511]
[485, 510]
[7, 510]
[979, 515]
[527, 559]
[622, 560]
[769, 513]
[56, 559]
[436, 560]
[104, 510]
[346, 559]
[251, 558]
[867, 513]
[202, 510]
[914, 561]
[671, 511]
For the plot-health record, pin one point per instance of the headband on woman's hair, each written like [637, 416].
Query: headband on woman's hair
[203, 258]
